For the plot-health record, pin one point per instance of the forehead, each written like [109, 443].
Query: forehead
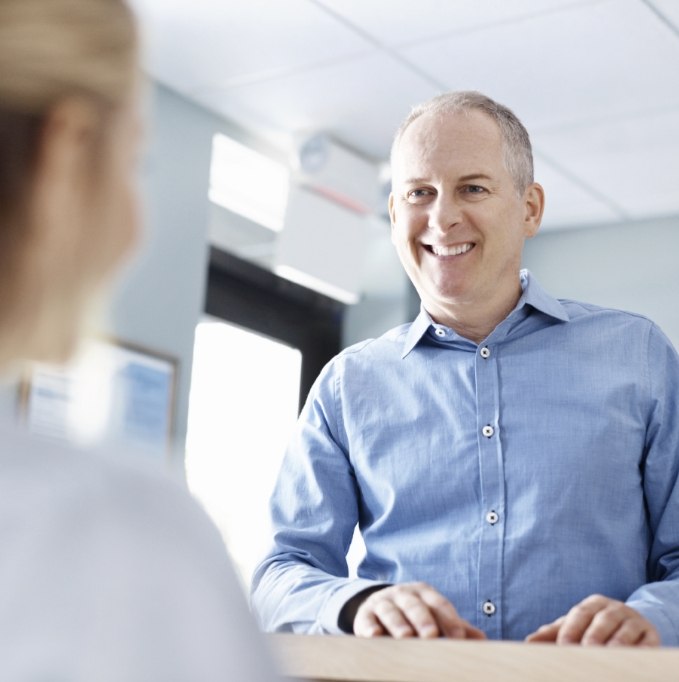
[468, 141]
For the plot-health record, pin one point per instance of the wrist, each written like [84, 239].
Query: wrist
[345, 621]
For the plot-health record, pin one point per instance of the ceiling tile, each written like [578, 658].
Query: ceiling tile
[669, 9]
[633, 162]
[591, 79]
[220, 42]
[398, 22]
[583, 63]
[359, 102]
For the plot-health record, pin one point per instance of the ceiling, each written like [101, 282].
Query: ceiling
[595, 81]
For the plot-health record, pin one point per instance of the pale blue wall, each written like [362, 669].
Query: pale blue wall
[632, 266]
[160, 297]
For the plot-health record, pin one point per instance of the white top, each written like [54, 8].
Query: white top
[112, 572]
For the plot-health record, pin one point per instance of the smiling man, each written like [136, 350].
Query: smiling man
[511, 460]
[460, 219]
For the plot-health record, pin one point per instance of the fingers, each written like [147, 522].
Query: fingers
[449, 623]
[367, 625]
[650, 638]
[636, 631]
[547, 633]
[579, 619]
[599, 620]
[404, 614]
[629, 633]
[411, 610]
[473, 633]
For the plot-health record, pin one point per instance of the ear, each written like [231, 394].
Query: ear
[64, 166]
[67, 137]
[392, 213]
[534, 205]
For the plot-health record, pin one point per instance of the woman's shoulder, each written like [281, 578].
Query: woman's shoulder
[36, 466]
[93, 535]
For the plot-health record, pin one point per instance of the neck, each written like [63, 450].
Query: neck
[475, 319]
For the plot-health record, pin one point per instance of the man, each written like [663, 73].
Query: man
[512, 460]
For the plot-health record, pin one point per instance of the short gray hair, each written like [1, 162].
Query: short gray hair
[518, 153]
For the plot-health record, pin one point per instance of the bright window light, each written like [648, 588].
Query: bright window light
[242, 409]
[248, 183]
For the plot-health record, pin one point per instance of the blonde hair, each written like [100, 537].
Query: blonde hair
[50, 50]
[518, 153]
[53, 48]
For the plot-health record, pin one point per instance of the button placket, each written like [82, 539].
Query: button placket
[491, 465]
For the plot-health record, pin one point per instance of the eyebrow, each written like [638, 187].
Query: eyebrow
[474, 176]
[464, 178]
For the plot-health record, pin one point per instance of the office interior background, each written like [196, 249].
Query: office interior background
[265, 182]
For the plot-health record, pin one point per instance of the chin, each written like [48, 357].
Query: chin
[55, 338]
[56, 351]
[448, 295]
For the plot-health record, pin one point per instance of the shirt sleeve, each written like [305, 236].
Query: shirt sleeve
[302, 584]
[658, 600]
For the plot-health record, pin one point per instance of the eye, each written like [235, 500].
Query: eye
[474, 189]
[418, 195]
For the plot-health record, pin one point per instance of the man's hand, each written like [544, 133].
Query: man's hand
[599, 620]
[411, 610]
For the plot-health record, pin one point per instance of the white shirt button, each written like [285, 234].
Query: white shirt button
[492, 517]
[485, 352]
[488, 607]
[488, 431]
[439, 332]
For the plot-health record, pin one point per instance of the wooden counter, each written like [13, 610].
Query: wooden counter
[351, 659]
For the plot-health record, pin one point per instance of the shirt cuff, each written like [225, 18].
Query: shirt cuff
[655, 614]
[329, 617]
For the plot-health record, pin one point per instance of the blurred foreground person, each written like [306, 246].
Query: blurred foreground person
[107, 572]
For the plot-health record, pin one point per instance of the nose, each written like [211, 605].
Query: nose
[444, 213]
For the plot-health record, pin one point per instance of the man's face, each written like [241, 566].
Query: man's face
[458, 221]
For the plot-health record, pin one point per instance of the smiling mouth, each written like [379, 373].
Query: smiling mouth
[456, 250]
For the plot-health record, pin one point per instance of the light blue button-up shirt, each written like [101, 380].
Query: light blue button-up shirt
[517, 476]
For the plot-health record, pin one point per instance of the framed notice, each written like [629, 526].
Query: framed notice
[111, 392]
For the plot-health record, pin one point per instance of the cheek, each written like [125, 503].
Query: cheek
[513, 235]
[122, 211]
[401, 239]
[408, 227]
[131, 221]
[117, 226]
[408, 253]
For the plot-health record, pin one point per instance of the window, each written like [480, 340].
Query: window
[243, 405]
[258, 350]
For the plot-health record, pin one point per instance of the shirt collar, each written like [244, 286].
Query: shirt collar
[533, 295]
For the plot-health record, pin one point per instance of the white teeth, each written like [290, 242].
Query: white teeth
[451, 250]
